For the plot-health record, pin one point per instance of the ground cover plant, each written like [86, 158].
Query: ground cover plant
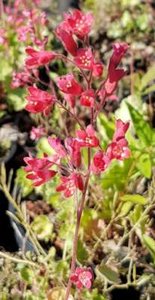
[77, 160]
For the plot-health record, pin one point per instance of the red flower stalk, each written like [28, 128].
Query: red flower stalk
[38, 170]
[68, 84]
[38, 58]
[39, 101]
[87, 138]
[82, 277]
[69, 184]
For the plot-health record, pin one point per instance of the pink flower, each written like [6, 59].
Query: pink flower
[79, 22]
[68, 84]
[37, 132]
[118, 150]
[82, 277]
[87, 98]
[25, 32]
[84, 59]
[87, 138]
[114, 74]
[69, 184]
[55, 143]
[119, 50]
[121, 129]
[67, 39]
[38, 170]
[97, 69]
[70, 150]
[20, 79]
[100, 162]
[39, 101]
[73, 151]
[38, 58]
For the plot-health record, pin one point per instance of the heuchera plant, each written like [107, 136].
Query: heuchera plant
[70, 92]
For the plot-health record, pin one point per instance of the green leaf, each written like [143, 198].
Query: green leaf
[148, 77]
[148, 90]
[136, 213]
[142, 22]
[116, 175]
[106, 127]
[136, 198]
[25, 184]
[125, 209]
[16, 99]
[43, 227]
[143, 130]
[144, 165]
[5, 68]
[143, 280]
[150, 244]
[27, 274]
[82, 253]
[109, 274]
[43, 146]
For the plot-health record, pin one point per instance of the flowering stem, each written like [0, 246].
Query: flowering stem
[75, 241]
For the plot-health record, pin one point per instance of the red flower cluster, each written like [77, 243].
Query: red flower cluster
[70, 183]
[38, 58]
[68, 85]
[39, 101]
[76, 23]
[67, 157]
[117, 149]
[39, 169]
[87, 138]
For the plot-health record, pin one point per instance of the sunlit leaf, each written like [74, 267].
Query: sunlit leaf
[144, 165]
[137, 199]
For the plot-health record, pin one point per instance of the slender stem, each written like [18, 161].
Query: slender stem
[75, 241]
[18, 260]
[81, 207]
